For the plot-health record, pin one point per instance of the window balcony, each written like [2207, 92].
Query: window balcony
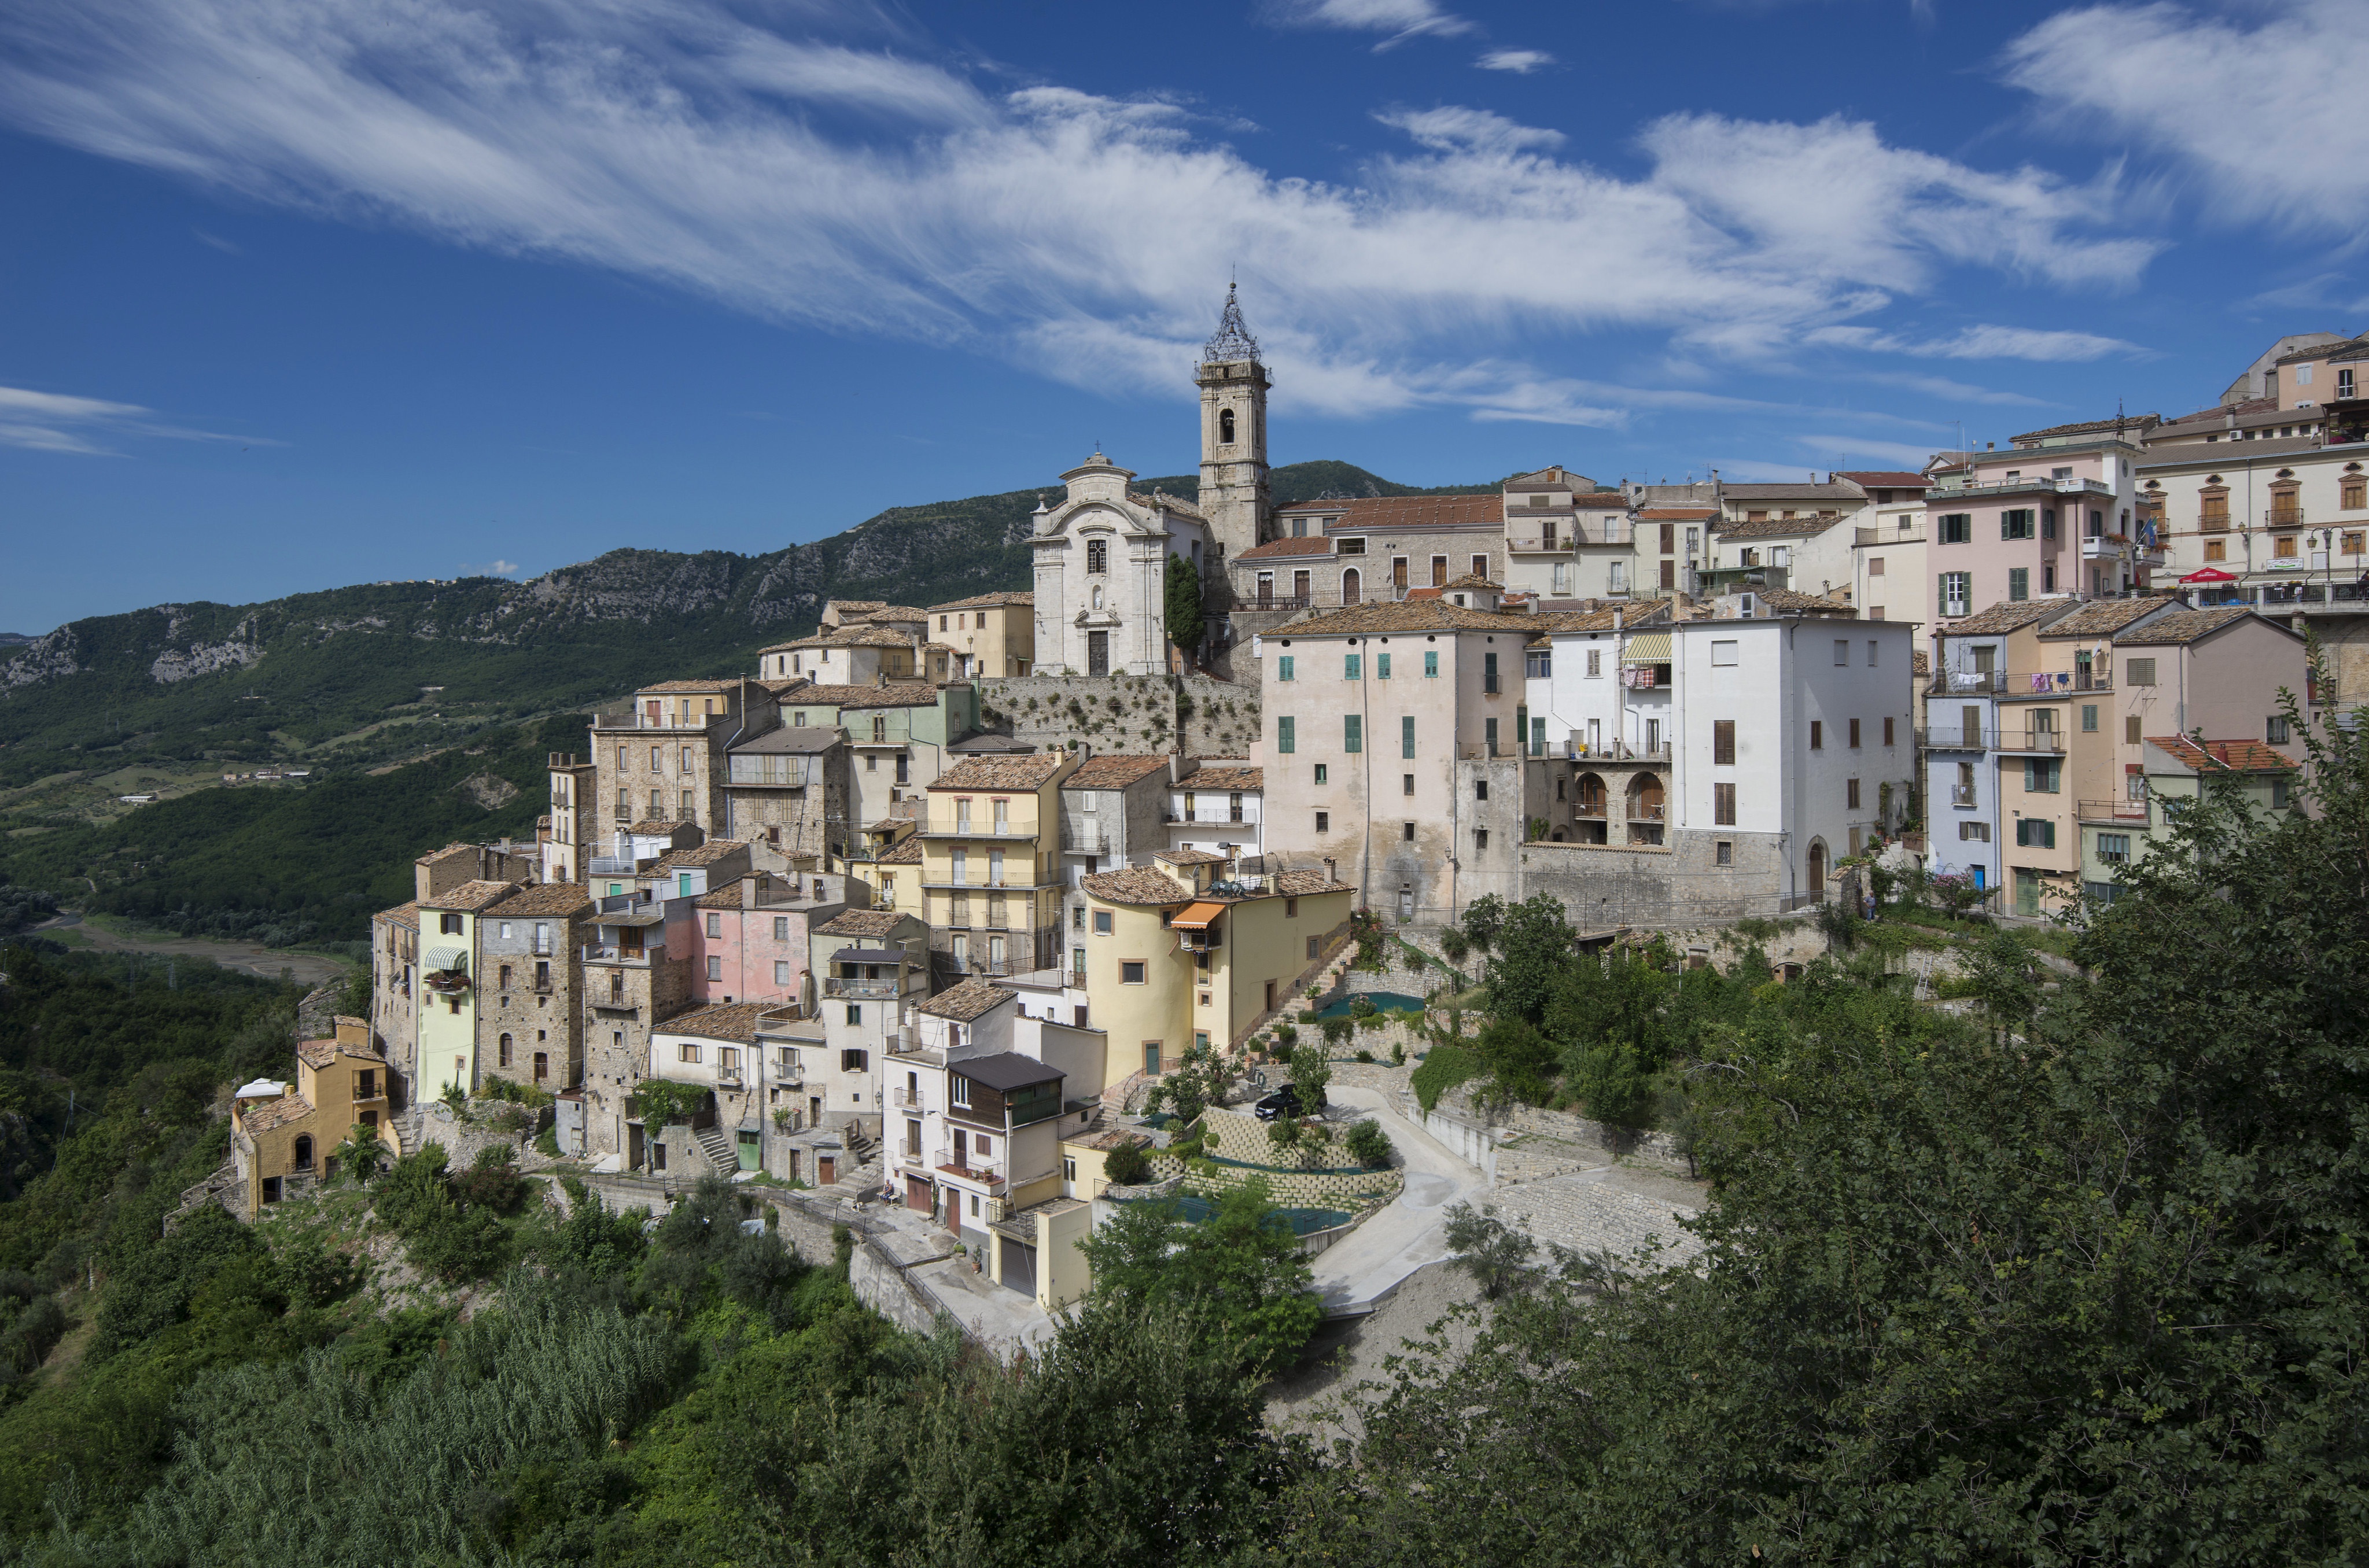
[1958, 738]
[908, 1100]
[970, 1168]
[2046, 742]
[2132, 813]
[603, 953]
[1961, 797]
[965, 828]
[1085, 840]
[835, 985]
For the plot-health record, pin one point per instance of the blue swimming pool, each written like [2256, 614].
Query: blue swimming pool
[1385, 1000]
[1303, 1221]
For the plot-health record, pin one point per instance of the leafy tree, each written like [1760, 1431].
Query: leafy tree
[1241, 1272]
[1531, 944]
[1520, 1057]
[1126, 1167]
[1181, 598]
[1311, 1073]
[492, 1181]
[1609, 1082]
[1496, 1255]
[1483, 918]
[1368, 1145]
[1454, 945]
[362, 1155]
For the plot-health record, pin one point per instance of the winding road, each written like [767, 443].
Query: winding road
[1405, 1234]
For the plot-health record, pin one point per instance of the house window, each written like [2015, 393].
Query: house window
[1282, 667]
[1479, 789]
[1406, 737]
[502, 1047]
[2018, 584]
[715, 967]
[1723, 741]
[1974, 833]
[1324, 773]
[1353, 733]
[2275, 729]
[1957, 593]
[1406, 784]
[1325, 821]
[1957, 527]
[1842, 650]
[781, 971]
[855, 1012]
[1431, 666]
[2139, 672]
[1480, 838]
[1284, 736]
[1724, 851]
[1351, 547]
[449, 925]
[1723, 653]
[1851, 792]
[1351, 666]
[1097, 556]
[2279, 801]
[1887, 732]
[2114, 849]
[2354, 494]
[853, 1060]
[1382, 666]
[2043, 775]
[686, 1051]
[1723, 805]
[1130, 972]
[1854, 734]
[2089, 717]
[1102, 922]
[2016, 524]
[2035, 833]
[1817, 735]
[1489, 672]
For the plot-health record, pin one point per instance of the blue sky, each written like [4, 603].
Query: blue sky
[300, 293]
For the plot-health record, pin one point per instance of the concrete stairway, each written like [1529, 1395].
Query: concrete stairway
[722, 1157]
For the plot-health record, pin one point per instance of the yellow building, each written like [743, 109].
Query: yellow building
[1177, 957]
[989, 633]
[449, 978]
[990, 863]
[281, 1134]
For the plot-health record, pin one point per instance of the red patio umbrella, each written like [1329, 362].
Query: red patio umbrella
[2210, 574]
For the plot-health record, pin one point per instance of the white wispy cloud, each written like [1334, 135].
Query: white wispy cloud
[1521, 61]
[2258, 112]
[1986, 342]
[1954, 391]
[1846, 449]
[815, 182]
[1398, 19]
[494, 568]
[2327, 290]
[228, 247]
[54, 421]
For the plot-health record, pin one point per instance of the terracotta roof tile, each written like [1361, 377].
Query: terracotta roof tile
[861, 923]
[1785, 598]
[547, 900]
[1470, 580]
[907, 695]
[725, 897]
[906, 854]
[1189, 857]
[973, 998]
[1115, 771]
[1410, 616]
[657, 826]
[718, 1021]
[402, 915]
[317, 1054]
[1136, 885]
[1676, 514]
[896, 612]
[1208, 778]
[2101, 616]
[723, 684]
[1307, 883]
[1362, 512]
[987, 601]
[471, 896]
[2188, 625]
[1318, 546]
[1883, 478]
[1777, 527]
[2136, 424]
[2226, 756]
[2007, 615]
[1029, 772]
[708, 853]
[448, 853]
[1653, 612]
[856, 606]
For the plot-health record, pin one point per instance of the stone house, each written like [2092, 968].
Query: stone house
[529, 965]
[1217, 806]
[750, 938]
[662, 756]
[576, 826]
[395, 1010]
[713, 1048]
[281, 1135]
[636, 975]
[789, 787]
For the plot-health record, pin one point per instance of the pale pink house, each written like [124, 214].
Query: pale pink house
[2054, 514]
[751, 935]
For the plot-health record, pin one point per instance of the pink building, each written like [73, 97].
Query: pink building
[2054, 514]
[751, 940]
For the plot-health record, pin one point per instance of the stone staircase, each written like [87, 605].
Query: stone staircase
[222, 1188]
[410, 1125]
[722, 1157]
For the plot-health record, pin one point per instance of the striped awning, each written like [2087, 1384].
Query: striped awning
[1648, 647]
[448, 959]
[1198, 917]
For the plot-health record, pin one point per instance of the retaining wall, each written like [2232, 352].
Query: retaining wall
[1199, 714]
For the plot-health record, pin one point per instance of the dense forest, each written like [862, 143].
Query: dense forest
[2068, 1272]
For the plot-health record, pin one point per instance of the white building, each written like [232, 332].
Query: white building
[1218, 807]
[1102, 571]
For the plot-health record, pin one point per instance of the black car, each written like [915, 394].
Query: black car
[1284, 1102]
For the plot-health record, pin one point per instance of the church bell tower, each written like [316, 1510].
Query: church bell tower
[1233, 435]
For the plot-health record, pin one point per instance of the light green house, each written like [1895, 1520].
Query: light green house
[2173, 769]
[449, 978]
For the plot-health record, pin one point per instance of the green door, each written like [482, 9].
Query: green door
[2026, 892]
[750, 1159]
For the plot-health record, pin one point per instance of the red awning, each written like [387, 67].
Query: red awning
[2210, 574]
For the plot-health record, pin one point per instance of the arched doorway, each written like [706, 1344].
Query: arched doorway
[1645, 809]
[1588, 809]
[1351, 586]
[1818, 870]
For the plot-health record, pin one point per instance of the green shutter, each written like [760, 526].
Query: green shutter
[1283, 735]
[1353, 733]
[1382, 666]
[1406, 736]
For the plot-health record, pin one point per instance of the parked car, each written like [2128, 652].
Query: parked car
[1284, 1102]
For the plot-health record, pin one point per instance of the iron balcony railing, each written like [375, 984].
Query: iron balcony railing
[970, 1168]
[966, 828]
[1085, 840]
[2031, 740]
[834, 985]
[2137, 813]
[1959, 737]
[1963, 796]
[604, 953]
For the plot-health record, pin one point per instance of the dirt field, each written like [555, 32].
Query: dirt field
[307, 969]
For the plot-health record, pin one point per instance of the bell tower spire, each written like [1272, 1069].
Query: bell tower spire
[1233, 386]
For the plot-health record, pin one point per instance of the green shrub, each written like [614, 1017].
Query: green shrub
[1126, 1167]
[1368, 1145]
[1443, 1068]
[1364, 1055]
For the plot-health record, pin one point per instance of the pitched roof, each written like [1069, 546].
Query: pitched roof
[402, 915]
[1777, 527]
[1652, 613]
[856, 606]
[1361, 512]
[1115, 771]
[1808, 489]
[2102, 617]
[547, 899]
[718, 1021]
[470, 895]
[2229, 756]
[2188, 625]
[1884, 478]
[908, 852]
[861, 923]
[726, 897]
[288, 1107]
[1134, 884]
[2136, 424]
[2221, 410]
[1005, 1070]
[449, 852]
[1189, 857]
[708, 853]
[1317, 546]
[2325, 350]
[907, 695]
[321, 1053]
[988, 743]
[1002, 772]
[2007, 615]
[791, 739]
[720, 685]
[987, 601]
[1676, 514]
[1472, 579]
[1308, 884]
[896, 612]
[657, 827]
[969, 999]
[1409, 615]
[1786, 600]
[1228, 778]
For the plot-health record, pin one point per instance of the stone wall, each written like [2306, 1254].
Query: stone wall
[1605, 888]
[1199, 714]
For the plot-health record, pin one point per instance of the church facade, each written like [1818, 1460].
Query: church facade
[1102, 552]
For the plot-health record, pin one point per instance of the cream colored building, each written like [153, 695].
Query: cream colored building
[988, 635]
[1178, 958]
[991, 861]
[283, 1134]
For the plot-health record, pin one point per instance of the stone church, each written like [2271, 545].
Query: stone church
[1103, 552]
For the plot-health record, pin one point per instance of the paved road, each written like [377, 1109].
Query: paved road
[249, 957]
[1405, 1234]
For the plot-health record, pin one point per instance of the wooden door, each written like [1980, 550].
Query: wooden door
[826, 1169]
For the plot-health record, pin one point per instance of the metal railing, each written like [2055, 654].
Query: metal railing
[910, 1100]
[990, 1174]
[1967, 683]
[1864, 537]
[1958, 738]
[1591, 809]
[607, 953]
[836, 985]
[1085, 840]
[612, 865]
[2031, 740]
[966, 828]
[2139, 812]
[782, 772]
[1963, 796]
[1618, 751]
